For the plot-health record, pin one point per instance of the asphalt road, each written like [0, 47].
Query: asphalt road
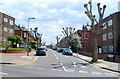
[55, 65]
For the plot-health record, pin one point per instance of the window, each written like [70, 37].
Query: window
[104, 37]
[110, 22]
[5, 29]
[85, 36]
[104, 48]
[25, 35]
[5, 19]
[85, 45]
[104, 25]
[4, 39]
[11, 31]
[11, 22]
[110, 35]
[110, 48]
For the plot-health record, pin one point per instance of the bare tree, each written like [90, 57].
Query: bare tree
[96, 33]
[68, 31]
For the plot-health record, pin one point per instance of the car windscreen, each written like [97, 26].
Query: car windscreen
[40, 49]
[68, 50]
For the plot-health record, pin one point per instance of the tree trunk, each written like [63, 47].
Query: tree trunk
[95, 55]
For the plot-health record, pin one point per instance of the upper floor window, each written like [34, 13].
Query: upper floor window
[5, 29]
[85, 36]
[25, 35]
[104, 37]
[11, 31]
[11, 22]
[110, 35]
[104, 25]
[5, 19]
[110, 22]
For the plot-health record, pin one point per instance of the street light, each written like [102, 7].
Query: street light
[28, 34]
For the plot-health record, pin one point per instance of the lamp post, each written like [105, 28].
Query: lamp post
[28, 34]
[40, 37]
[58, 38]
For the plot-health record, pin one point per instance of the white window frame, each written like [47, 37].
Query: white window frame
[110, 35]
[104, 37]
[104, 25]
[11, 22]
[11, 31]
[85, 35]
[25, 34]
[5, 19]
[110, 22]
[5, 29]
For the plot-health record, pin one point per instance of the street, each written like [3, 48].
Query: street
[55, 64]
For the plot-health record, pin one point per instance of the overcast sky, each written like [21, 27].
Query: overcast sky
[52, 15]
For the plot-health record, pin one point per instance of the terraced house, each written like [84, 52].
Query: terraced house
[7, 27]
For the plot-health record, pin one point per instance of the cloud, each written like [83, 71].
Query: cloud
[52, 15]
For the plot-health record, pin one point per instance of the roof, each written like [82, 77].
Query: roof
[16, 27]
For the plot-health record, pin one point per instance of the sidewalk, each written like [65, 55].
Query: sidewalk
[16, 58]
[112, 66]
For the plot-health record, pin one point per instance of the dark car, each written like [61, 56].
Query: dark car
[41, 51]
[67, 51]
[60, 49]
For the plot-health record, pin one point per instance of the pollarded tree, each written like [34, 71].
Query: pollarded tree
[96, 33]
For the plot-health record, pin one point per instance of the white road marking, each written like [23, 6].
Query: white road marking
[83, 66]
[83, 72]
[74, 64]
[70, 70]
[96, 72]
[3, 73]
[63, 67]
[57, 58]
[56, 70]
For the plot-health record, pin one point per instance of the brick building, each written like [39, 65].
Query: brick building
[0, 26]
[7, 24]
[23, 32]
[111, 32]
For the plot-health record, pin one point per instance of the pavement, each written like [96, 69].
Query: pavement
[112, 66]
[16, 58]
[19, 58]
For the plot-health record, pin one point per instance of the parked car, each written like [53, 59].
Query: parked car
[23, 46]
[60, 49]
[67, 51]
[41, 51]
